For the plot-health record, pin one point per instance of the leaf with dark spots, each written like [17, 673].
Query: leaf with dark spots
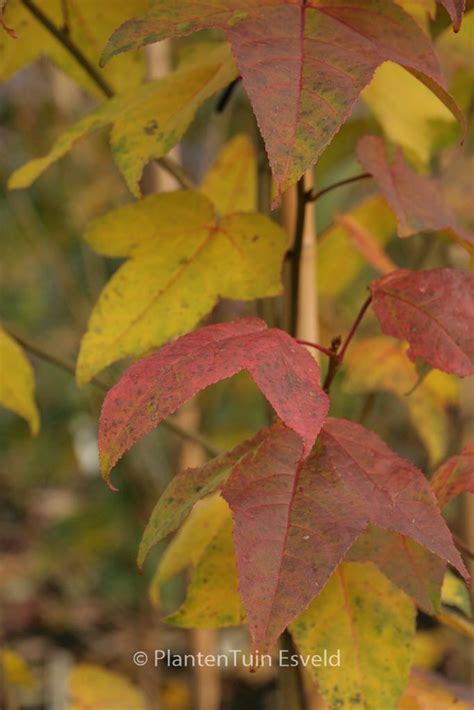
[434, 311]
[156, 386]
[294, 523]
[303, 62]
[417, 201]
[189, 486]
[454, 476]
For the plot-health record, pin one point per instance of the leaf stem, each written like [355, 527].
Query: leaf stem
[314, 195]
[68, 367]
[339, 351]
[63, 36]
[296, 256]
[321, 348]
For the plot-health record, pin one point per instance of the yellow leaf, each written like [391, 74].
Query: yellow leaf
[189, 543]
[213, 598]
[381, 363]
[406, 109]
[94, 688]
[231, 183]
[428, 693]
[430, 648]
[146, 122]
[16, 671]
[182, 258]
[90, 25]
[371, 624]
[339, 262]
[17, 382]
[421, 10]
[455, 593]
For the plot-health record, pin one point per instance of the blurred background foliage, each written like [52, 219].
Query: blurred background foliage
[69, 588]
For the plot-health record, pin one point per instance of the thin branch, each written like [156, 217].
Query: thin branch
[355, 325]
[64, 38]
[339, 351]
[463, 547]
[296, 256]
[316, 346]
[68, 367]
[71, 47]
[316, 194]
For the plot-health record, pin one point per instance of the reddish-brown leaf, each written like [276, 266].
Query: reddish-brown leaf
[455, 9]
[434, 311]
[154, 387]
[407, 564]
[303, 62]
[454, 476]
[418, 201]
[294, 523]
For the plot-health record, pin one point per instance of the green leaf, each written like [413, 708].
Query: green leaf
[184, 258]
[17, 382]
[372, 624]
[146, 122]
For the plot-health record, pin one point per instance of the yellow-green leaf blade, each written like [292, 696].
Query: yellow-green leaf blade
[17, 382]
[372, 623]
[231, 183]
[146, 122]
[184, 260]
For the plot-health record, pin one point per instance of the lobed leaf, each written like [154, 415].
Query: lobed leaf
[434, 311]
[454, 476]
[185, 257]
[295, 522]
[417, 201]
[153, 388]
[372, 625]
[303, 62]
[17, 383]
[146, 122]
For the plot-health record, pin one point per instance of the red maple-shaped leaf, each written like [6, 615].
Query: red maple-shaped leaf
[418, 201]
[454, 476]
[303, 62]
[154, 387]
[294, 522]
[434, 311]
